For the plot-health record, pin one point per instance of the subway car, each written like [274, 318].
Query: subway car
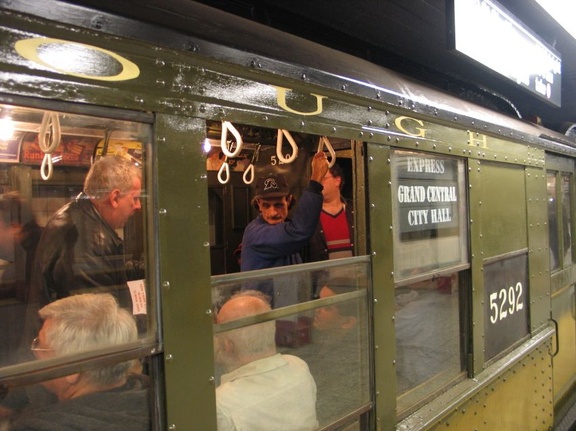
[461, 289]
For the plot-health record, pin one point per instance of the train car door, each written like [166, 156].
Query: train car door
[561, 190]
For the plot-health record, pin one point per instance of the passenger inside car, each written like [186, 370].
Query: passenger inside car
[262, 390]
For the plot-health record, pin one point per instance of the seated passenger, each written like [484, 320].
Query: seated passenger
[108, 398]
[262, 390]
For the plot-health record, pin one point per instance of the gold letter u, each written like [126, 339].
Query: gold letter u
[281, 97]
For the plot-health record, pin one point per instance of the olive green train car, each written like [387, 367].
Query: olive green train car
[461, 287]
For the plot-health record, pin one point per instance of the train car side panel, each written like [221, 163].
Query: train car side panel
[182, 214]
[380, 235]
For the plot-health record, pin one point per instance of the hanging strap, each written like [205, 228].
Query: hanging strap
[48, 140]
[324, 142]
[291, 158]
[227, 126]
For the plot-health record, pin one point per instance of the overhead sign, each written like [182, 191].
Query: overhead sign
[489, 34]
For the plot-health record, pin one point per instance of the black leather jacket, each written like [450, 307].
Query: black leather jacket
[78, 250]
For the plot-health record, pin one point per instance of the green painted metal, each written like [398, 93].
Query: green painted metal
[184, 273]
[539, 257]
[380, 246]
[507, 200]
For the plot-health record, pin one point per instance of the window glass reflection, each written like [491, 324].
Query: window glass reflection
[427, 339]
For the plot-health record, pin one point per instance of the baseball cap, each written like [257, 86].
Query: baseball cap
[271, 186]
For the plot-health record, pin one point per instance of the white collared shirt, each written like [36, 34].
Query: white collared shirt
[274, 393]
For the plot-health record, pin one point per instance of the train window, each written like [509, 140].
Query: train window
[316, 352]
[73, 206]
[559, 219]
[567, 218]
[430, 252]
[553, 221]
[430, 213]
[428, 339]
[314, 324]
[237, 157]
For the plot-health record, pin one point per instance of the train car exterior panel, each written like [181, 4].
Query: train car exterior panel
[380, 195]
[175, 75]
[539, 255]
[487, 177]
[498, 390]
[182, 204]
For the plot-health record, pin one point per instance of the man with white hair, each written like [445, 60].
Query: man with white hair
[110, 397]
[262, 389]
[79, 248]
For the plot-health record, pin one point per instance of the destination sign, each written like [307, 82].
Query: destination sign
[426, 192]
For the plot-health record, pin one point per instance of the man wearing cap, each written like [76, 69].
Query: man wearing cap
[272, 240]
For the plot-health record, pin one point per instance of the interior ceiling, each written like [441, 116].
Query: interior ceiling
[410, 36]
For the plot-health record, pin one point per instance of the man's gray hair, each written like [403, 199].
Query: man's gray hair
[109, 173]
[86, 322]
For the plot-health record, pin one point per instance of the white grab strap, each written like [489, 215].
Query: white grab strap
[324, 142]
[224, 169]
[291, 158]
[249, 171]
[227, 125]
[48, 141]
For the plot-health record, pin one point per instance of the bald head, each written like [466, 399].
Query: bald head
[244, 304]
[237, 347]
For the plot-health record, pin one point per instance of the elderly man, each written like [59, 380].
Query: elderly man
[262, 390]
[108, 398]
[79, 248]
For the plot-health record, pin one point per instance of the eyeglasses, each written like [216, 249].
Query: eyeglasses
[35, 346]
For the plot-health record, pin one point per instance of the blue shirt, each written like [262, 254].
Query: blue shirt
[268, 246]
